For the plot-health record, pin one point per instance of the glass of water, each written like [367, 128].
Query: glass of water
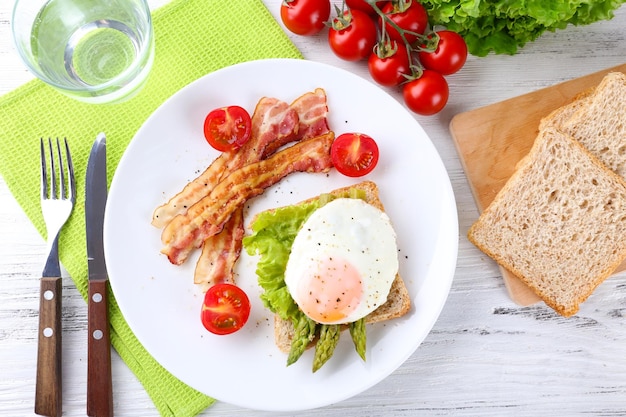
[97, 51]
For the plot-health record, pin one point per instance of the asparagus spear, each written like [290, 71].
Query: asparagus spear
[304, 333]
[329, 336]
[359, 336]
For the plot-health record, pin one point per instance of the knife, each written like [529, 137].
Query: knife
[99, 384]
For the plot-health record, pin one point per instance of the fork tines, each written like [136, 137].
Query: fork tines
[53, 190]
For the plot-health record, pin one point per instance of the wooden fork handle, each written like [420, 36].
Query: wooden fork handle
[99, 384]
[48, 399]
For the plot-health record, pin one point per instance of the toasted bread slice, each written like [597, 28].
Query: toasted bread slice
[398, 302]
[559, 223]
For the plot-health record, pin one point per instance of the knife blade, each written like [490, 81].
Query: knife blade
[99, 382]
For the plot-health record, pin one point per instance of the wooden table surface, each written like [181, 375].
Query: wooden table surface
[485, 356]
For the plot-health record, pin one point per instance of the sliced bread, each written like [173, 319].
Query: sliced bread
[600, 123]
[559, 223]
[398, 302]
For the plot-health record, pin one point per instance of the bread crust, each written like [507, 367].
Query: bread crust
[398, 302]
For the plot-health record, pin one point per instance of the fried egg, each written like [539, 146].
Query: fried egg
[342, 262]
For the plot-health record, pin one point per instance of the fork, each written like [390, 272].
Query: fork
[57, 202]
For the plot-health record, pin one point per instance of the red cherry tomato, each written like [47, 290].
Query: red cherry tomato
[354, 154]
[426, 95]
[413, 18]
[227, 128]
[450, 55]
[225, 310]
[388, 66]
[364, 6]
[305, 17]
[353, 36]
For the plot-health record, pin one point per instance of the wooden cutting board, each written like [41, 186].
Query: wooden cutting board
[492, 139]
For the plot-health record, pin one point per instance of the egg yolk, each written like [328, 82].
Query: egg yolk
[330, 292]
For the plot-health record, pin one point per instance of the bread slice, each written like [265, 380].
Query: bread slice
[559, 223]
[398, 302]
[600, 123]
[559, 116]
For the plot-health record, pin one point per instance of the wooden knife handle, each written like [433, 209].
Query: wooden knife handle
[48, 399]
[99, 384]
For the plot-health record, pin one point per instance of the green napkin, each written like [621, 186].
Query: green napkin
[193, 38]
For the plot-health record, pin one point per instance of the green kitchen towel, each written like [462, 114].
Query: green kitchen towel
[193, 38]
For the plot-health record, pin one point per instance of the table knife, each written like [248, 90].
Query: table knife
[99, 383]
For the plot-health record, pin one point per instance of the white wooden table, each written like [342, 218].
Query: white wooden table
[485, 355]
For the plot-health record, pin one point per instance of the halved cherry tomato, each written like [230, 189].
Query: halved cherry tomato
[449, 56]
[409, 15]
[428, 94]
[305, 17]
[225, 310]
[352, 36]
[227, 128]
[354, 154]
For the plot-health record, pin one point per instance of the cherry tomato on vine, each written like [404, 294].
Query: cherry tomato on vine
[225, 309]
[354, 154]
[364, 6]
[450, 55]
[428, 94]
[305, 17]
[227, 128]
[413, 18]
[388, 63]
[353, 35]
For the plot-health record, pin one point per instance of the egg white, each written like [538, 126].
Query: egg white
[353, 230]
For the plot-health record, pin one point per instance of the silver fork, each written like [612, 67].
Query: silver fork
[58, 194]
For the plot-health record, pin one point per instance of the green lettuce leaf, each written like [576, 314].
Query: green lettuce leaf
[504, 26]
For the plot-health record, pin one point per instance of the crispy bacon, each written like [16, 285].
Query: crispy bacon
[221, 252]
[271, 119]
[207, 217]
[193, 191]
[276, 123]
[312, 113]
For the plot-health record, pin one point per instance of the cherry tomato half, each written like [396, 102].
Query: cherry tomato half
[227, 128]
[428, 94]
[450, 55]
[413, 18]
[305, 17]
[354, 154]
[225, 310]
[388, 67]
[353, 36]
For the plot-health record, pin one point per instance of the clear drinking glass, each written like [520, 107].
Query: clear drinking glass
[97, 51]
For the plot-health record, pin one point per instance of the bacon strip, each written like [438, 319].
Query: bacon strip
[280, 123]
[207, 217]
[220, 253]
[313, 114]
[271, 119]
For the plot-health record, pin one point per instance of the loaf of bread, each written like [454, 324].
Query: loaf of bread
[559, 223]
[398, 301]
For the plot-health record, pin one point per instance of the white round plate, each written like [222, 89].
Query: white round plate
[160, 301]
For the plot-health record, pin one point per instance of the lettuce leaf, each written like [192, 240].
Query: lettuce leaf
[503, 26]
